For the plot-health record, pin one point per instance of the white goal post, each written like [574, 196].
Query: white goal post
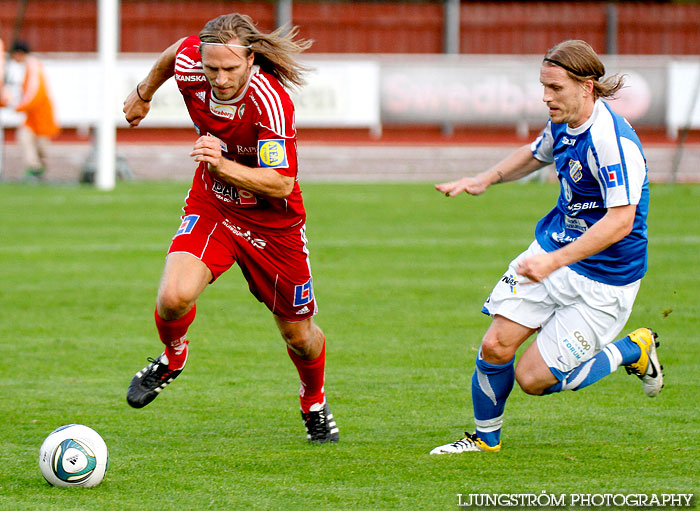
[108, 32]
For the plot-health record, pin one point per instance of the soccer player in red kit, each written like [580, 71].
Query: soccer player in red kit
[245, 205]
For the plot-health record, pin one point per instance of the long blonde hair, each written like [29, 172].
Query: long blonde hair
[582, 63]
[274, 51]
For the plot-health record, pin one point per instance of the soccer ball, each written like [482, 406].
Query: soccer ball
[73, 455]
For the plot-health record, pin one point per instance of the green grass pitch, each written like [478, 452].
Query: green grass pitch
[400, 274]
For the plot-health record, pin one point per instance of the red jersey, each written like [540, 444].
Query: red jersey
[256, 129]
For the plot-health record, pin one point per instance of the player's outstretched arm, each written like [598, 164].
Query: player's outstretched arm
[138, 103]
[517, 165]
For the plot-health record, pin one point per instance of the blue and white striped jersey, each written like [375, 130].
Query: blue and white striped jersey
[600, 165]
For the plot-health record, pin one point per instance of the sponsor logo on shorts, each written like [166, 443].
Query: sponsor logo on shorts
[511, 281]
[304, 310]
[303, 294]
[578, 346]
[582, 340]
[188, 223]
[272, 153]
[576, 351]
[246, 235]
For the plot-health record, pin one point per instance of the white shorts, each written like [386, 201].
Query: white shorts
[577, 317]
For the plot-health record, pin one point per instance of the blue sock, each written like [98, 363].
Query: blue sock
[491, 386]
[605, 362]
[629, 350]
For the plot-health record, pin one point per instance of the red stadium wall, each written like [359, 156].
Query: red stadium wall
[364, 27]
[371, 27]
[532, 27]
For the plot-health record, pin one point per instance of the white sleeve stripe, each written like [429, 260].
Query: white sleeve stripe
[277, 101]
[596, 172]
[623, 164]
[182, 56]
[272, 118]
[188, 70]
[635, 169]
[178, 65]
[271, 128]
[184, 59]
[186, 63]
[603, 189]
[543, 145]
[272, 105]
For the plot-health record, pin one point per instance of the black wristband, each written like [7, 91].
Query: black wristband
[139, 94]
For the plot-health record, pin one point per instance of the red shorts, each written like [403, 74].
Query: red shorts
[276, 266]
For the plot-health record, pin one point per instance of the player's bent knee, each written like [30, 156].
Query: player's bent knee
[533, 391]
[529, 384]
[172, 305]
[299, 348]
[299, 342]
[494, 352]
[305, 339]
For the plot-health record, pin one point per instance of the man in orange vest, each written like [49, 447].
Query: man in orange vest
[3, 102]
[40, 123]
[3, 96]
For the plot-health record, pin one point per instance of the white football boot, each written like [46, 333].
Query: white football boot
[647, 368]
[466, 444]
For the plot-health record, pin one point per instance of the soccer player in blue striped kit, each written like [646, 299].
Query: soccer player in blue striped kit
[575, 285]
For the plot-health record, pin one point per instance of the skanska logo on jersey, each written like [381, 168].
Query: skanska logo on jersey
[190, 78]
[272, 153]
[568, 141]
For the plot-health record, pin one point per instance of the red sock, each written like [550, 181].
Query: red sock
[312, 374]
[173, 334]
